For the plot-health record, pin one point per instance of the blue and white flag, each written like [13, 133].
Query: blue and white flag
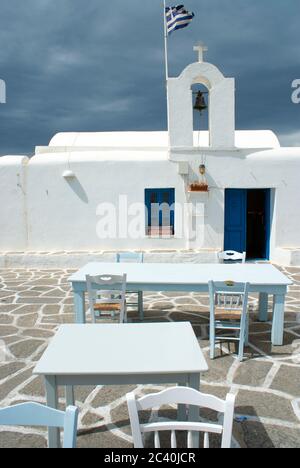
[177, 18]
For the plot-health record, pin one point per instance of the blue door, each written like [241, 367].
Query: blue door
[235, 220]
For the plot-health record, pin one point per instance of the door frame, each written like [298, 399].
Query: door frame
[268, 218]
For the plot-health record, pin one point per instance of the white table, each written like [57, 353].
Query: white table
[114, 354]
[264, 279]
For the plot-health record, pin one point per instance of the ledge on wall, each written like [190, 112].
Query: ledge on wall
[287, 256]
[75, 260]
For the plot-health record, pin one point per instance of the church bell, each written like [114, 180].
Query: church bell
[200, 104]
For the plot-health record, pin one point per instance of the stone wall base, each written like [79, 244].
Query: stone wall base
[75, 260]
[70, 260]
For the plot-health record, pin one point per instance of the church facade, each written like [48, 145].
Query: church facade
[181, 195]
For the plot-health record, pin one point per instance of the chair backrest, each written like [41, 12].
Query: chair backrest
[181, 396]
[34, 414]
[106, 289]
[229, 295]
[230, 256]
[130, 257]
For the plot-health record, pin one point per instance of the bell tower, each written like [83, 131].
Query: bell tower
[221, 105]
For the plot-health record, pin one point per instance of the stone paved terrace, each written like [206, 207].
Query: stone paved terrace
[33, 303]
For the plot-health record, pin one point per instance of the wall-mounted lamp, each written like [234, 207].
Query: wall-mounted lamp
[202, 169]
[69, 174]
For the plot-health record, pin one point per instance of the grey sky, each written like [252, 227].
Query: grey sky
[94, 65]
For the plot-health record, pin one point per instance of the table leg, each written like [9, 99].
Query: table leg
[278, 320]
[140, 305]
[79, 306]
[70, 397]
[52, 402]
[194, 413]
[263, 307]
[182, 413]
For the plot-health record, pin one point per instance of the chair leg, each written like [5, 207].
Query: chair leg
[140, 305]
[247, 332]
[212, 340]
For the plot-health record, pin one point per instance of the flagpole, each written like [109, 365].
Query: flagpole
[166, 43]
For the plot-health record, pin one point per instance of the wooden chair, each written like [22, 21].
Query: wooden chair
[181, 396]
[133, 257]
[229, 311]
[107, 296]
[34, 414]
[230, 256]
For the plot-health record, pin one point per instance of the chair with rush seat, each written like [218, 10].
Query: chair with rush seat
[229, 312]
[134, 302]
[107, 296]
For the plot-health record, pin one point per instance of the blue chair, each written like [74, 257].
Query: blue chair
[133, 257]
[34, 414]
[229, 312]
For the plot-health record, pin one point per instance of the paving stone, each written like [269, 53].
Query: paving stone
[27, 321]
[37, 300]
[185, 301]
[8, 308]
[82, 393]
[108, 394]
[264, 405]
[26, 309]
[25, 348]
[9, 369]
[257, 435]
[29, 294]
[162, 306]
[37, 333]
[120, 417]
[101, 438]
[6, 319]
[11, 384]
[180, 317]
[252, 373]
[54, 293]
[51, 309]
[91, 419]
[7, 330]
[59, 319]
[218, 370]
[194, 309]
[287, 380]
[36, 388]
[18, 440]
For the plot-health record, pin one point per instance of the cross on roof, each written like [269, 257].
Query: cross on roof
[200, 48]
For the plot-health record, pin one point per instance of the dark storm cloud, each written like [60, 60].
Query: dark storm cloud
[93, 65]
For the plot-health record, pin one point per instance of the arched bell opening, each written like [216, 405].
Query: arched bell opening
[200, 100]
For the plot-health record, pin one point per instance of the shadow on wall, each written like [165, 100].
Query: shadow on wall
[78, 189]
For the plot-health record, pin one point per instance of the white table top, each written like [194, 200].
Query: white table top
[186, 273]
[122, 349]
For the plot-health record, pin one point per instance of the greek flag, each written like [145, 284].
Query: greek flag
[177, 18]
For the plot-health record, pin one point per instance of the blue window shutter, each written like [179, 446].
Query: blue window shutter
[160, 196]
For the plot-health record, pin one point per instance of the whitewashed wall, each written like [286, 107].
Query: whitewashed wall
[40, 211]
[13, 210]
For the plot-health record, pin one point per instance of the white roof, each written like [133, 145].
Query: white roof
[244, 139]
